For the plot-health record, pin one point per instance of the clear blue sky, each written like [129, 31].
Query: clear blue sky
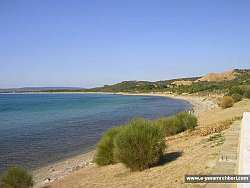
[91, 43]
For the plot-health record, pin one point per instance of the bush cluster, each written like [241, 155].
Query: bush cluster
[235, 90]
[16, 177]
[247, 92]
[238, 92]
[176, 124]
[226, 102]
[188, 121]
[169, 126]
[104, 154]
[141, 143]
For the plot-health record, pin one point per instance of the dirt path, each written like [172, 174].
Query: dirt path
[229, 156]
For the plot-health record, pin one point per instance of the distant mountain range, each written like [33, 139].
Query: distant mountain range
[39, 89]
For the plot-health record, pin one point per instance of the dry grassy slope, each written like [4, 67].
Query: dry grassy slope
[211, 77]
[228, 75]
[182, 82]
[187, 154]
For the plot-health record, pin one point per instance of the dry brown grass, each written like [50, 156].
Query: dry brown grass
[217, 127]
[182, 82]
[215, 77]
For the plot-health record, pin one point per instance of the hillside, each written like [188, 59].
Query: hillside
[217, 77]
[182, 82]
[212, 82]
[140, 86]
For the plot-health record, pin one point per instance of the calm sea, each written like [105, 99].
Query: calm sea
[37, 129]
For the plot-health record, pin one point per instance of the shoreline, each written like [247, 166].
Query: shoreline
[199, 103]
[64, 167]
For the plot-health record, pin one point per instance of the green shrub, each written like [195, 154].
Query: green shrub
[176, 124]
[188, 121]
[169, 126]
[104, 153]
[237, 97]
[226, 102]
[139, 145]
[236, 90]
[247, 92]
[16, 177]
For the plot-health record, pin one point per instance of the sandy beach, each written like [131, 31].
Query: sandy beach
[200, 103]
[61, 169]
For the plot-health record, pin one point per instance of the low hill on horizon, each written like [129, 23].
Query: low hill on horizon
[212, 82]
[39, 89]
[217, 77]
[208, 83]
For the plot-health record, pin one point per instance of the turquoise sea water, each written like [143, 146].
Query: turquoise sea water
[37, 129]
